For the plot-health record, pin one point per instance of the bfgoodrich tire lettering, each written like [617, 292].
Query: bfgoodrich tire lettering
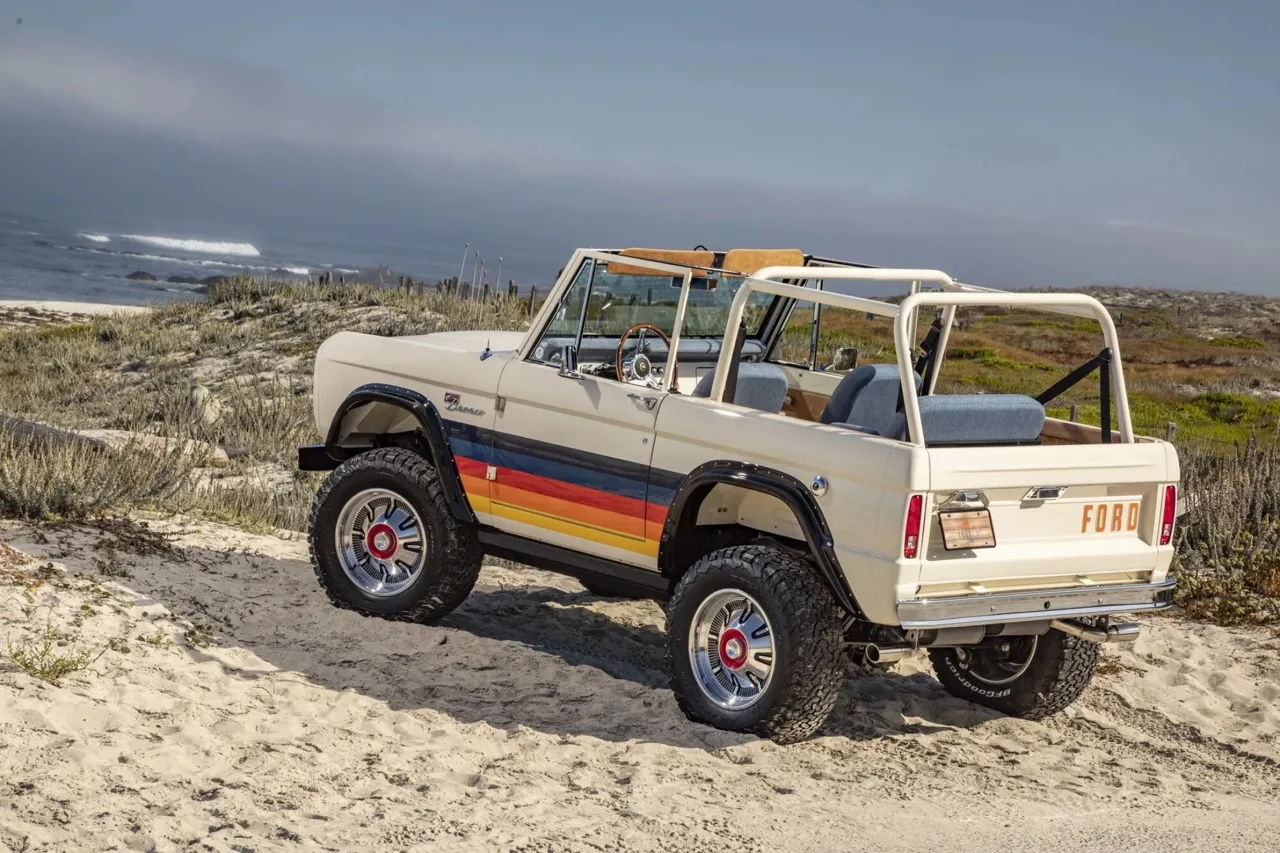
[1058, 674]
[808, 644]
[452, 553]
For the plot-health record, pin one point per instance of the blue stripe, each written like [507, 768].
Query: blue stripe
[569, 473]
[567, 464]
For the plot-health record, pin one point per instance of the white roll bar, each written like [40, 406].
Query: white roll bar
[954, 295]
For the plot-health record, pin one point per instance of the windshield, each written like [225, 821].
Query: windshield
[618, 302]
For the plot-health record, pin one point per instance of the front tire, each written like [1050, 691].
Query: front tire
[1034, 678]
[755, 643]
[384, 543]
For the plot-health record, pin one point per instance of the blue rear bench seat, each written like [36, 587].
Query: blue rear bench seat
[959, 419]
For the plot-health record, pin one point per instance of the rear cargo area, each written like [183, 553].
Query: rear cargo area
[1062, 516]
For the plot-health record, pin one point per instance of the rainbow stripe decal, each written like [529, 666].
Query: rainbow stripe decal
[599, 498]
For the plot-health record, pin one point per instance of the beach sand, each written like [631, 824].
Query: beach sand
[83, 309]
[16, 313]
[234, 709]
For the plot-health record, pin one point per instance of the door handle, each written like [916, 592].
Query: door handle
[649, 402]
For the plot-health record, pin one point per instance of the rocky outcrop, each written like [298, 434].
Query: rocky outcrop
[205, 408]
[140, 275]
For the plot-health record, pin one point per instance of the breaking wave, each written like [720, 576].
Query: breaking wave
[97, 238]
[207, 247]
[297, 270]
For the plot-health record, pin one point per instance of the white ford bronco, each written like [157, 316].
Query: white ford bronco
[650, 436]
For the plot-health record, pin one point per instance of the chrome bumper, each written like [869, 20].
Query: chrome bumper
[996, 608]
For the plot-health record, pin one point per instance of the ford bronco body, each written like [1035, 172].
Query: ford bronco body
[647, 436]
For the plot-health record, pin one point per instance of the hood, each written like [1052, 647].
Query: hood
[472, 340]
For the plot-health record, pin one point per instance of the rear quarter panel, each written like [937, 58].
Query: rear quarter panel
[869, 480]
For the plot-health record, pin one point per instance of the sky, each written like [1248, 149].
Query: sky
[1014, 144]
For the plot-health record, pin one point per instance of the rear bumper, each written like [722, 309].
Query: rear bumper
[1033, 606]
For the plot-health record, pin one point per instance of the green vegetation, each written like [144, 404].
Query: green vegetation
[50, 656]
[1239, 343]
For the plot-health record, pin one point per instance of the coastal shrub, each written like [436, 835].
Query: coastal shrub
[1228, 560]
[43, 479]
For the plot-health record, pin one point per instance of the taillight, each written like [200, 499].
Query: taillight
[1168, 513]
[911, 536]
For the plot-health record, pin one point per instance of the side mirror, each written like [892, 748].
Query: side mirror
[569, 363]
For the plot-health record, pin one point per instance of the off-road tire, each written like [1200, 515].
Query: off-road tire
[806, 627]
[452, 561]
[1060, 671]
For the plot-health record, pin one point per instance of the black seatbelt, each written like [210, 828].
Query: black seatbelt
[924, 362]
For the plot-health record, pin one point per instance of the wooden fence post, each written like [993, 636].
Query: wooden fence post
[533, 295]
[1075, 412]
[1170, 429]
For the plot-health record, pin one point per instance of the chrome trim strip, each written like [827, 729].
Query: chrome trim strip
[996, 608]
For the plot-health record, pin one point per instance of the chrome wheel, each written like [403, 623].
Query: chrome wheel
[731, 649]
[1000, 664]
[381, 542]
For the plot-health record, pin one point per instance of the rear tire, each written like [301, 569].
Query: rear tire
[384, 543]
[1059, 670]
[728, 609]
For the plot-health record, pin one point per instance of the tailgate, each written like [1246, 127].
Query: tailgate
[1100, 529]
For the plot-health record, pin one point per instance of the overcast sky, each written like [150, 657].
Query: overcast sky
[1010, 143]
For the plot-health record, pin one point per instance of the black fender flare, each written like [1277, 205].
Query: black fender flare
[785, 488]
[330, 454]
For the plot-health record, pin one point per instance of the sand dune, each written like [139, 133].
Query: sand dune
[236, 710]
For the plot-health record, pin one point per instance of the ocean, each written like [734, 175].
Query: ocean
[89, 262]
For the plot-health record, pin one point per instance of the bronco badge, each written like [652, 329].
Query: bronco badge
[453, 403]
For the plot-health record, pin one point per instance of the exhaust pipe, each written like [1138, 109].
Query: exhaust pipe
[873, 654]
[1123, 632]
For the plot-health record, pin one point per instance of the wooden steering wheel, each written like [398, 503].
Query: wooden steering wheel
[641, 368]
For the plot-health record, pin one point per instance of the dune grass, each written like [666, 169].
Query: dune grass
[250, 345]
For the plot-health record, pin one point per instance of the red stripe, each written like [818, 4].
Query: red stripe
[572, 493]
[472, 467]
[630, 507]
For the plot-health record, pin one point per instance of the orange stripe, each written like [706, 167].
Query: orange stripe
[571, 511]
[579, 531]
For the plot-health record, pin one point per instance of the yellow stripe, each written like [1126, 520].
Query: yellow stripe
[571, 528]
[599, 528]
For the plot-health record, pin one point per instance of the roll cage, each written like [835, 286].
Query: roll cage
[785, 283]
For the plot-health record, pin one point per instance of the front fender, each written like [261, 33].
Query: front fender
[334, 451]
